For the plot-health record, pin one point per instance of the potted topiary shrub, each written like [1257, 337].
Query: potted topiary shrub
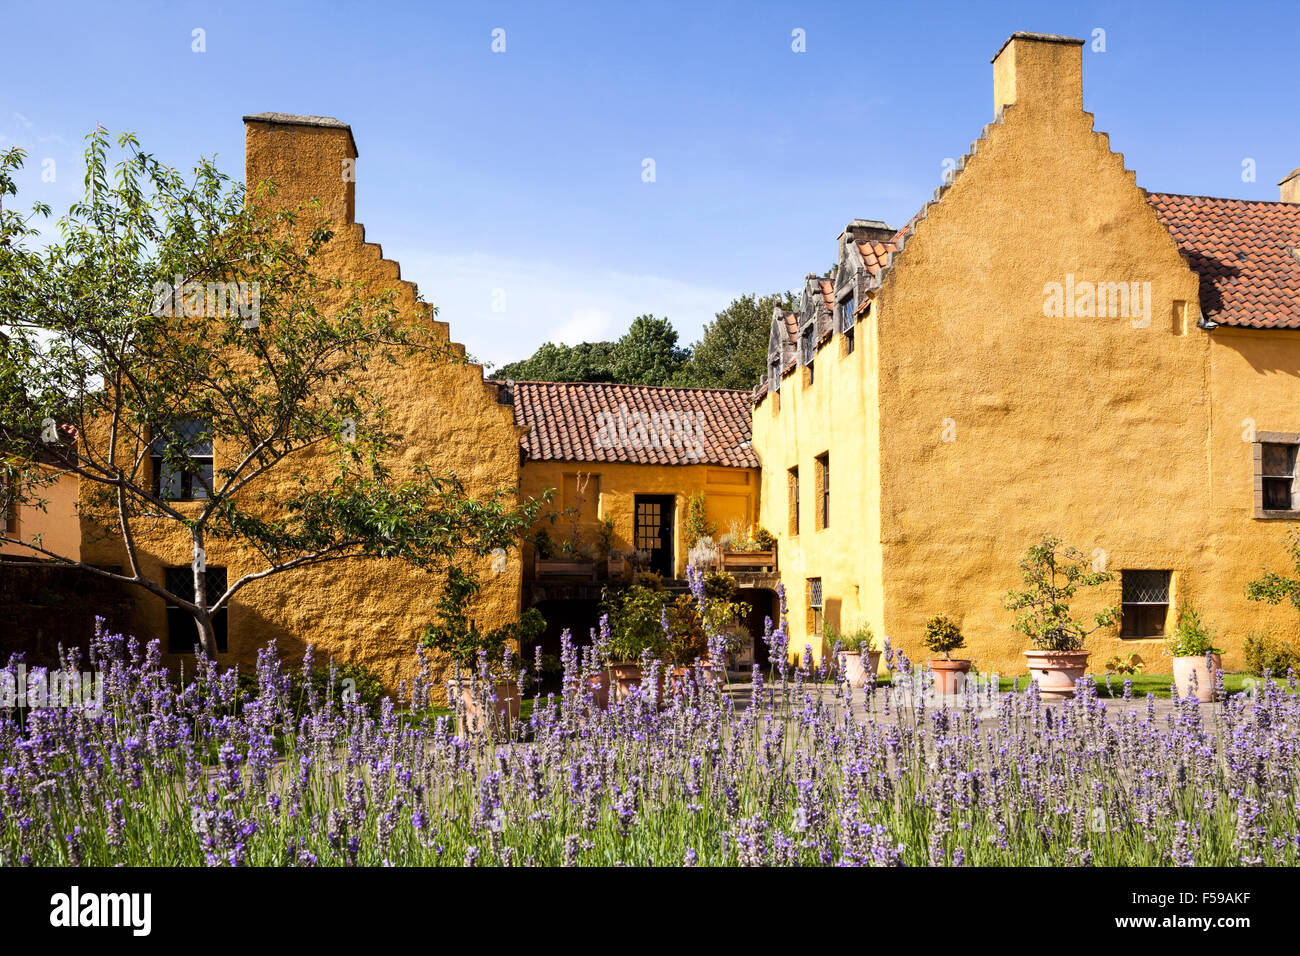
[1195, 656]
[859, 660]
[636, 632]
[942, 636]
[471, 649]
[1053, 574]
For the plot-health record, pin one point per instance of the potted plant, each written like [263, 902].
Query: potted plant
[854, 646]
[1053, 574]
[942, 636]
[612, 560]
[636, 629]
[748, 549]
[470, 649]
[1195, 656]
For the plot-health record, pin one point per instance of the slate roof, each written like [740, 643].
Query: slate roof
[1245, 253]
[637, 424]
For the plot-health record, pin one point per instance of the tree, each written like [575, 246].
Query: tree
[585, 362]
[648, 353]
[733, 350]
[1053, 573]
[1274, 587]
[178, 329]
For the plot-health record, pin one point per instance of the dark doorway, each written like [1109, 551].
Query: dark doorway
[654, 530]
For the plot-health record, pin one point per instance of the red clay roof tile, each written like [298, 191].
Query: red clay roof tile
[649, 425]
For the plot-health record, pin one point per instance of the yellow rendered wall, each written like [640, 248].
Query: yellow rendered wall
[367, 612]
[730, 493]
[838, 413]
[54, 528]
[1121, 434]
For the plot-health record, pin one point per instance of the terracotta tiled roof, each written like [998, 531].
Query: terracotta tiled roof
[1245, 254]
[874, 255]
[634, 423]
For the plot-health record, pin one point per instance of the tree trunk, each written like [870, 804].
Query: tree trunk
[207, 635]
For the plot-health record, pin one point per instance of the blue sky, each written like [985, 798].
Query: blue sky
[521, 171]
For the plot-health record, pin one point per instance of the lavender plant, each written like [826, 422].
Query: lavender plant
[794, 772]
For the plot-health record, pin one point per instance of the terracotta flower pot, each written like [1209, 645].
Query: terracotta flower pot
[598, 685]
[626, 676]
[1056, 671]
[949, 676]
[506, 706]
[1185, 667]
[855, 672]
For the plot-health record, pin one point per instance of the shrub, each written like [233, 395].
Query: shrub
[636, 617]
[698, 524]
[1192, 637]
[1053, 573]
[942, 636]
[1263, 652]
[764, 539]
[859, 640]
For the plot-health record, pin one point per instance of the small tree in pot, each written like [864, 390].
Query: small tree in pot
[482, 659]
[637, 636]
[942, 636]
[1053, 573]
[1195, 656]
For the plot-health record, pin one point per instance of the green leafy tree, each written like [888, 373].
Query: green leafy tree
[1053, 573]
[733, 350]
[456, 634]
[585, 362]
[1275, 587]
[648, 353]
[262, 418]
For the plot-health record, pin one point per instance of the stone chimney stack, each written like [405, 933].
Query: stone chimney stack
[1039, 71]
[1291, 186]
[308, 157]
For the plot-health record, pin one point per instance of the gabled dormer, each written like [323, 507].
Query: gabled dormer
[862, 247]
[780, 346]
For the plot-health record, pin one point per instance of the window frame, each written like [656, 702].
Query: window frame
[816, 607]
[792, 500]
[1126, 629]
[822, 477]
[1257, 454]
[175, 613]
[188, 476]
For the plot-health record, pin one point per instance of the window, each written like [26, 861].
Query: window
[1145, 603]
[846, 315]
[814, 607]
[182, 460]
[823, 477]
[792, 490]
[846, 322]
[774, 374]
[1277, 476]
[807, 342]
[8, 516]
[182, 635]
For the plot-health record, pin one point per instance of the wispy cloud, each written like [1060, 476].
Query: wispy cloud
[502, 309]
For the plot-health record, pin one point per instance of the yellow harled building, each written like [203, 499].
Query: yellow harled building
[1045, 347]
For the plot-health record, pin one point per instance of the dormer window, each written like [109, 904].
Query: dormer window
[846, 309]
[807, 344]
[774, 373]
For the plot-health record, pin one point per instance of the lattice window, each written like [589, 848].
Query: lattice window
[815, 607]
[182, 634]
[1145, 603]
